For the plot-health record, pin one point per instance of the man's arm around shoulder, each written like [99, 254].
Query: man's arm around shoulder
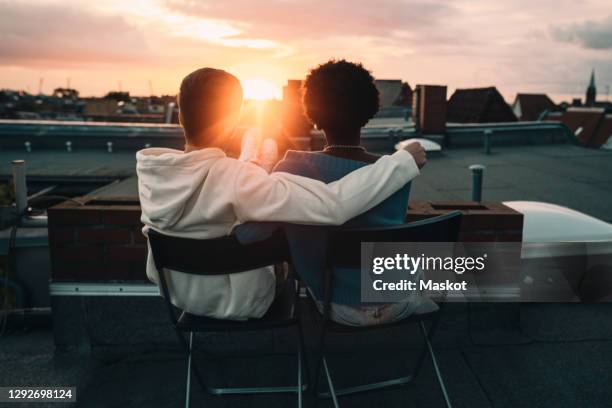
[285, 197]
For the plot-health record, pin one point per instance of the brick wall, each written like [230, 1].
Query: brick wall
[100, 240]
[481, 222]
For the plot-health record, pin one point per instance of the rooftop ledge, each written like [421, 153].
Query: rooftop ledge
[101, 240]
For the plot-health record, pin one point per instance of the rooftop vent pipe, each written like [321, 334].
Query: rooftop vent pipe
[477, 176]
[487, 141]
[169, 112]
[20, 186]
[21, 198]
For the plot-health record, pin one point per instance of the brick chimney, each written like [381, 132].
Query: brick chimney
[429, 109]
[293, 120]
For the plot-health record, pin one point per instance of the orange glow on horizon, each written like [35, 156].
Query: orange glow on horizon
[260, 89]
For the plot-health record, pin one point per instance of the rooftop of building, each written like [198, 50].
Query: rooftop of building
[532, 355]
[494, 355]
[569, 175]
[479, 105]
[530, 106]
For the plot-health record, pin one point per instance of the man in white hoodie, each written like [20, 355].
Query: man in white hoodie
[201, 193]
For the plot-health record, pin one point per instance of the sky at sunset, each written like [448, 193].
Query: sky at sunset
[142, 45]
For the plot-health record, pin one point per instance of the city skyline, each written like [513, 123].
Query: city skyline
[148, 46]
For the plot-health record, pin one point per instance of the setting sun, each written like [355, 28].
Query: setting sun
[260, 89]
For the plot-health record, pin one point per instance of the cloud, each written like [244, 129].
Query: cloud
[318, 19]
[56, 34]
[592, 34]
[518, 45]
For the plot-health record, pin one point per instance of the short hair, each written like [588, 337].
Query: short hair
[207, 96]
[340, 95]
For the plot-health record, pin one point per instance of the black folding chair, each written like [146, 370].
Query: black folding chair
[221, 256]
[344, 251]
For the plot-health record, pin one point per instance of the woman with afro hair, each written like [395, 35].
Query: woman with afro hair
[339, 98]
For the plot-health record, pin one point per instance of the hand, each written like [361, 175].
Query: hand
[249, 145]
[268, 154]
[418, 153]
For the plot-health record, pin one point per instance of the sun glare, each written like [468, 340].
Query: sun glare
[260, 89]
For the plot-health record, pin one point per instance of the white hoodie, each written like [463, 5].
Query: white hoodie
[204, 194]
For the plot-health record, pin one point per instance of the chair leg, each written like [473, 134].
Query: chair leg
[394, 382]
[430, 333]
[299, 375]
[435, 364]
[320, 356]
[298, 389]
[302, 362]
[330, 384]
[334, 393]
[188, 381]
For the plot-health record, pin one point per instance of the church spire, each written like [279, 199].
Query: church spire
[591, 91]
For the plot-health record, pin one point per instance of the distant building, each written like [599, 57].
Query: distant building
[591, 97]
[591, 93]
[100, 107]
[530, 107]
[63, 104]
[65, 93]
[479, 105]
[292, 92]
[393, 92]
[591, 126]
[429, 109]
[293, 119]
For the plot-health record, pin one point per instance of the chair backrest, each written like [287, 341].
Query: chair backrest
[217, 256]
[344, 244]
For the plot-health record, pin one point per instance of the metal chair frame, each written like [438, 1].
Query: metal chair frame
[224, 256]
[344, 250]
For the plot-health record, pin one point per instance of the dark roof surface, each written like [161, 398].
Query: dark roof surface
[568, 175]
[592, 126]
[78, 164]
[604, 132]
[490, 355]
[479, 105]
[389, 91]
[532, 105]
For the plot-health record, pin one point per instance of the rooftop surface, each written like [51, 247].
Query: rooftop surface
[564, 174]
[530, 355]
[527, 355]
[568, 175]
[79, 163]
